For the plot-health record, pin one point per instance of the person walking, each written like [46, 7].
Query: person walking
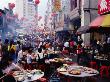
[5, 52]
[12, 51]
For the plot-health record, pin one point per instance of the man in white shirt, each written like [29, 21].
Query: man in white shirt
[20, 55]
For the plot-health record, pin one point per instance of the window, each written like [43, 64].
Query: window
[73, 4]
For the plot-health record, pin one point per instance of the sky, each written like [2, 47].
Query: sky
[4, 3]
[41, 7]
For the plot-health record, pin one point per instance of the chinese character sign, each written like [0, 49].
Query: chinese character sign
[57, 5]
[103, 6]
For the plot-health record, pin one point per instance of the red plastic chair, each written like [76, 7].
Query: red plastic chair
[104, 71]
[109, 71]
[42, 79]
[42, 67]
[65, 52]
[93, 65]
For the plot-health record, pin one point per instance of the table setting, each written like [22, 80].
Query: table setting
[28, 75]
[77, 71]
[102, 57]
[58, 60]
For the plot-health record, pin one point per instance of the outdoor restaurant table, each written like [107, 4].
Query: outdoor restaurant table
[57, 60]
[33, 76]
[101, 60]
[83, 74]
[52, 54]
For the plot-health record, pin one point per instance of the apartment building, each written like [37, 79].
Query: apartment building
[28, 10]
[82, 12]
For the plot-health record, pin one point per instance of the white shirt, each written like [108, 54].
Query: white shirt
[20, 55]
[66, 44]
[40, 55]
[108, 40]
[28, 58]
[51, 49]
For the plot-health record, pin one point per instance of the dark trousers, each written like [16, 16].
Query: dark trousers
[78, 58]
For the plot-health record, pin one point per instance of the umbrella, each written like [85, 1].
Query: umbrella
[101, 24]
[101, 21]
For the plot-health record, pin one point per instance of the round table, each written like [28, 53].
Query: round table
[34, 76]
[83, 74]
[101, 60]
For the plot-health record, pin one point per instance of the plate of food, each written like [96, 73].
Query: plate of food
[19, 77]
[29, 76]
[38, 72]
[62, 69]
[16, 73]
[75, 72]
[91, 72]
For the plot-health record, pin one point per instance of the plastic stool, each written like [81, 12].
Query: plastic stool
[104, 70]
[93, 65]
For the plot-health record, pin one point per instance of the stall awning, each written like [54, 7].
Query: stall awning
[101, 23]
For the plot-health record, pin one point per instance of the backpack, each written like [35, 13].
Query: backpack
[12, 49]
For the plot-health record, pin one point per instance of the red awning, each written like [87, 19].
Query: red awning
[100, 24]
[101, 21]
[97, 22]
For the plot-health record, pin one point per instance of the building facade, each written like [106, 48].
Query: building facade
[8, 24]
[75, 14]
[27, 9]
[48, 18]
[82, 13]
[88, 14]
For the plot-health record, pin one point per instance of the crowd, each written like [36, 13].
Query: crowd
[22, 54]
[16, 55]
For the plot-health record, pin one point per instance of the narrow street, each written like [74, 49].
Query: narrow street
[54, 40]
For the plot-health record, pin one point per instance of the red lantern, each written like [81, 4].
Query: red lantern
[0, 14]
[11, 5]
[36, 15]
[53, 14]
[40, 17]
[37, 2]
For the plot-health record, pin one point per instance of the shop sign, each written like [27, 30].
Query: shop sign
[103, 6]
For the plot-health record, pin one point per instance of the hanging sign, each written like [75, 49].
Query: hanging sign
[103, 6]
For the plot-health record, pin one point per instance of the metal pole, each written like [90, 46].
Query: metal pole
[54, 32]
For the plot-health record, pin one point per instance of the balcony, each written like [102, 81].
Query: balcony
[74, 13]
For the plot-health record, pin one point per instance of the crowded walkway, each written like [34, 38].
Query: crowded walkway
[52, 61]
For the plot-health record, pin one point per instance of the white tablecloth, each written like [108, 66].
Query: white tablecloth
[34, 77]
[83, 74]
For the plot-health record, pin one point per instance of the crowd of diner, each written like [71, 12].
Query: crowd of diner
[49, 55]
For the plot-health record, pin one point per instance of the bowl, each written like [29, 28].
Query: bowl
[29, 76]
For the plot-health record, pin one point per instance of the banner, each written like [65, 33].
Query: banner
[103, 6]
[57, 5]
